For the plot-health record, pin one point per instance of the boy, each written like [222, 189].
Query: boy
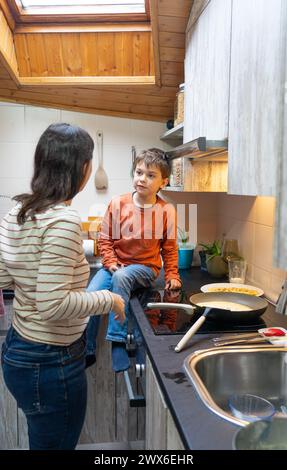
[138, 230]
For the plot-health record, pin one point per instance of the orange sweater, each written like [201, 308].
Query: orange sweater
[132, 235]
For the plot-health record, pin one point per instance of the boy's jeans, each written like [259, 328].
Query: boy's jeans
[122, 282]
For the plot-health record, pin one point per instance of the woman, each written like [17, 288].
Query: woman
[42, 258]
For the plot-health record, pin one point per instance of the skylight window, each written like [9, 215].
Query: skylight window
[96, 6]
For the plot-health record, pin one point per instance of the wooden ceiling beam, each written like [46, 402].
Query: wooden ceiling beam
[74, 81]
[8, 15]
[151, 113]
[175, 9]
[81, 28]
[155, 39]
[7, 49]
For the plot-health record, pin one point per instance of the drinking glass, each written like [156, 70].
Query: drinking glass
[237, 270]
[230, 249]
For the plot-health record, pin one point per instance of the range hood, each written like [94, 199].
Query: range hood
[201, 148]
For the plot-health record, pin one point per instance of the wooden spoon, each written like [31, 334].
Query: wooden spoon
[101, 178]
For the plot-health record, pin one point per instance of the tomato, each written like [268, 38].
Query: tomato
[273, 332]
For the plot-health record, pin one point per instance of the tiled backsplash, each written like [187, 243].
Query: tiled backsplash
[248, 219]
[251, 221]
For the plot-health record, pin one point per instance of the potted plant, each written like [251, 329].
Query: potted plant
[216, 265]
[185, 249]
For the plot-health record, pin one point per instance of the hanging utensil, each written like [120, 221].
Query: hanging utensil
[133, 154]
[101, 178]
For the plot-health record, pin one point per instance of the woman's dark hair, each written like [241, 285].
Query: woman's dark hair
[59, 160]
[156, 157]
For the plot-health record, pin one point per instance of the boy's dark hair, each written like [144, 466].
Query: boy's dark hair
[156, 157]
[59, 160]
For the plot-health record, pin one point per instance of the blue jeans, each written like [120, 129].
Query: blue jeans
[122, 282]
[49, 384]
[100, 281]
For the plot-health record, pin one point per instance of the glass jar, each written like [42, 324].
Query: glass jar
[179, 106]
[176, 177]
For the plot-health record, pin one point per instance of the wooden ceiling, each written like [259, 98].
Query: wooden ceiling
[129, 70]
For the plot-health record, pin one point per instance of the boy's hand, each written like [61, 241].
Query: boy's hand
[114, 267]
[173, 284]
[119, 308]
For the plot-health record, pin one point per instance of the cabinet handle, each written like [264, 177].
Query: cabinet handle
[136, 401]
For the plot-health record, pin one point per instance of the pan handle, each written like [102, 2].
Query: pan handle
[188, 335]
[163, 305]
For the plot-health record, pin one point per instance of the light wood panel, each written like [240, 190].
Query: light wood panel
[84, 54]
[8, 15]
[7, 49]
[81, 28]
[205, 176]
[175, 9]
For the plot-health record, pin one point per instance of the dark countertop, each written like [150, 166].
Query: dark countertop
[198, 427]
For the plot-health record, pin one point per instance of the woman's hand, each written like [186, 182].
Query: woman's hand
[119, 307]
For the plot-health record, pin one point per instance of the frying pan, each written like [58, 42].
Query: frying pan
[257, 307]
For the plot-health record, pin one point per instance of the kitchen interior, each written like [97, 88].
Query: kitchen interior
[124, 77]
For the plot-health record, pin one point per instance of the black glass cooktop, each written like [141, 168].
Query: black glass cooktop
[177, 321]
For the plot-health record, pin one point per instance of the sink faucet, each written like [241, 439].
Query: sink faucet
[281, 306]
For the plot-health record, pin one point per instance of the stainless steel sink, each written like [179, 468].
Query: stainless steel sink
[218, 373]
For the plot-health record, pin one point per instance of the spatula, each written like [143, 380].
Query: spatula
[101, 178]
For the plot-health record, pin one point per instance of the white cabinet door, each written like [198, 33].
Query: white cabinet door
[207, 73]
[256, 94]
[280, 257]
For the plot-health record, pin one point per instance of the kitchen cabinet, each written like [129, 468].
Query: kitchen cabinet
[234, 87]
[207, 73]
[8, 415]
[109, 417]
[256, 95]
[280, 252]
[161, 432]
[207, 93]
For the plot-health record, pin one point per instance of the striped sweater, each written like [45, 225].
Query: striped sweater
[44, 262]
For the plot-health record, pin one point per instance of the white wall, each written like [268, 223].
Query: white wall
[21, 127]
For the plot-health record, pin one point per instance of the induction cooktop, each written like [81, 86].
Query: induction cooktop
[177, 321]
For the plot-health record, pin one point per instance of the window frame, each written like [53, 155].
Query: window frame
[39, 15]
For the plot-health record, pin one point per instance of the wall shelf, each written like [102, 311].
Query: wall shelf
[174, 136]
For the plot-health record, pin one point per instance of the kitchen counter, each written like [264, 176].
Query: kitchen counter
[198, 427]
